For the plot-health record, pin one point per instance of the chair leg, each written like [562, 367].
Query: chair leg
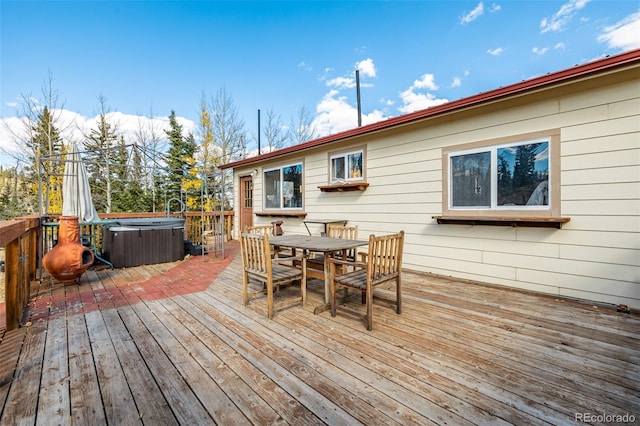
[333, 299]
[399, 296]
[270, 300]
[369, 310]
[245, 292]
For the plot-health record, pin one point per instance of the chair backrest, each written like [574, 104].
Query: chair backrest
[385, 256]
[260, 229]
[344, 232]
[256, 253]
[341, 231]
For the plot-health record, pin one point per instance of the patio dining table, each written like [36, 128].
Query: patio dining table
[324, 245]
[324, 222]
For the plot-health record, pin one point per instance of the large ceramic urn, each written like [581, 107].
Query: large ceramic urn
[69, 259]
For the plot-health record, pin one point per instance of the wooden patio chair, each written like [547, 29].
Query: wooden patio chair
[260, 229]
[315, 264]
[258, 264]
[268, 229]
[383, 265]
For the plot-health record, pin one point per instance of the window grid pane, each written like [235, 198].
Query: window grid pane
[501, 177]
[283, 188]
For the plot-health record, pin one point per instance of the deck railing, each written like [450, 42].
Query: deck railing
[20, 238]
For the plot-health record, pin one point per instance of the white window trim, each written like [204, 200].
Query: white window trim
[346, 155]
[493, 150]
[280, 168]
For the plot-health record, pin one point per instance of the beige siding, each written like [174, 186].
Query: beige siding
[596, 256]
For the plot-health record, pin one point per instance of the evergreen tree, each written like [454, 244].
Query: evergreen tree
[101, 159]
[138, 200]
[505, 182]
[523, 170]
[179, 158]
[121, 182]
[46, 150]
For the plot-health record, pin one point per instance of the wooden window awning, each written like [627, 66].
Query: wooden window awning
[344, 187]
[282, 214]
[536, 222]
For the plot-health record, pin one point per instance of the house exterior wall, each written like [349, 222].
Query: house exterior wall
[595, 256]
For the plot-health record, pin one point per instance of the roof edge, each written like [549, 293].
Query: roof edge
[593, 67]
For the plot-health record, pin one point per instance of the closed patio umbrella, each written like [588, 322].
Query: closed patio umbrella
[76, 193]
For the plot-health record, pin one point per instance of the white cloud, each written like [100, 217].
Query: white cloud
[413, 99]
[495, 8]
[473, 15]
[10, 128]
[563, 16]
[342, 82]
[540, 50]
[496, 52]
[427, 81]
[73, 127]
[367, 67]
[304, 66]
[457, 82]
[624, 34]
[559, 46]
[334, 114]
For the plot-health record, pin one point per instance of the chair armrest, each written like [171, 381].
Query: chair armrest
[347, 262]
[288, 258]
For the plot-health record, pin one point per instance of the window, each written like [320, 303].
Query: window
[347, 167]
[283, 187]
[248, 193]
[518, 176]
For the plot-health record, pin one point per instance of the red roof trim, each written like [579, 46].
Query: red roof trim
[605, 64]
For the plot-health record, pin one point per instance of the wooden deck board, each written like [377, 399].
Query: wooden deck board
[174, 344]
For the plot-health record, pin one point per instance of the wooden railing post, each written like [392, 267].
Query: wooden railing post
[13, 306]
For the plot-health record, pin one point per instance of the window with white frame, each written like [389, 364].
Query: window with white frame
[347, 166]
[283, 187]
[511, 176]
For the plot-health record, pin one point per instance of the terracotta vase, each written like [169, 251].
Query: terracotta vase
[69, 259]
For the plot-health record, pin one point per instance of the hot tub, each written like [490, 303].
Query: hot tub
[133, 242]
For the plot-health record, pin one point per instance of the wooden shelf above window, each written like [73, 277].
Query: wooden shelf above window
[344, 187]
[535, 222]
[282, 214]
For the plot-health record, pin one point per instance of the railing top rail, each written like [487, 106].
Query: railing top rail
[14, 228]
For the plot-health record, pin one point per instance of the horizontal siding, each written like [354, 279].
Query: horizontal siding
[570, 282]
[603, 191]
[629, 173]
[590, 223]
[594, 256]
[614, 256]
[587, 269]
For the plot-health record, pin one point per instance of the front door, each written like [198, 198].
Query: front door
[246, 204]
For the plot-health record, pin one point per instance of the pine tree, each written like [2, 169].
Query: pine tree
[101, 159]
[46, 150]
[180, 160]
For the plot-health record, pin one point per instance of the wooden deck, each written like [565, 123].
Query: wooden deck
[173, 344]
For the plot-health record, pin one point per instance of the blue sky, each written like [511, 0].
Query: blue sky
[151, 57]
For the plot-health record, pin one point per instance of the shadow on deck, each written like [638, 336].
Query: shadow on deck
[173, 344]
